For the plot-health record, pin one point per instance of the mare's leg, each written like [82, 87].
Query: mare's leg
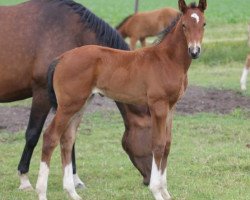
[243, 80]
[77, 181]
[161, 140]
[39, 111]
[67, 141]
[133, 41]
[51, 139]
[143, 42]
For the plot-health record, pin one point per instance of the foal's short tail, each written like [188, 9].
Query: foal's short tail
[52, 95]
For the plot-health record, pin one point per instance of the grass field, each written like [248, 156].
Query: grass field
[209, 159]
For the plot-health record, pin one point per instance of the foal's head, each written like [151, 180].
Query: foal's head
[193, 23]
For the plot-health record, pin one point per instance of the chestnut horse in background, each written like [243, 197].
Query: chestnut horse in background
[146, 24]
[243, 80]
[155, 77]
[31, 35]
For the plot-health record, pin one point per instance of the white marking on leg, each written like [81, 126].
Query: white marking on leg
[155, 181]
[25, 183]
[77, 182]
[42, 182]
[196, 17]
[164, 190]
[68, 182]
[243, 79]
[158, 183]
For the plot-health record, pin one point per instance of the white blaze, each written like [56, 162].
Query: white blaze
[196, 17]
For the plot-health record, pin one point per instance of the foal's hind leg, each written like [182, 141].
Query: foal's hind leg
[51, 139]
[67, 141]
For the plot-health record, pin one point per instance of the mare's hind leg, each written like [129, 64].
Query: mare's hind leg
[39, 111]
[77, 181]
[51, 139]
[67, 141]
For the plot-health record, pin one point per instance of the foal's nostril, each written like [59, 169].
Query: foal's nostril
[194, 52]
[198, 50]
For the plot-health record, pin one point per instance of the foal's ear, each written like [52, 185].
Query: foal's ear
[182, 6]
[202, 5]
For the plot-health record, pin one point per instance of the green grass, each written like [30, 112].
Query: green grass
[208, 160]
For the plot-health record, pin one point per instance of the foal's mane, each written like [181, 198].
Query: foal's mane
[166, 31]
[172, 25]
[105, 34]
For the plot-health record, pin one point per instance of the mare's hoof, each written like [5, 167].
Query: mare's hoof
[80, 186]
[78, 183]
[25, 183]
[26, 187]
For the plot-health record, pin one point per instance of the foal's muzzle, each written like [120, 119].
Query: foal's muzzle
[194, 51]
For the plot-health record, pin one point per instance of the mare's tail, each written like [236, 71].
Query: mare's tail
[50, 74]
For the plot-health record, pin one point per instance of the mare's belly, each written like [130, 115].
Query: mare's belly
[15, 83]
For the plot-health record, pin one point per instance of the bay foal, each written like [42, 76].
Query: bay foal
[154, 76]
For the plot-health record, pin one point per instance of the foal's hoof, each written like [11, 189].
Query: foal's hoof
[78, 183]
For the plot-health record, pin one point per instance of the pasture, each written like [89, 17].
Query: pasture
[209, 158]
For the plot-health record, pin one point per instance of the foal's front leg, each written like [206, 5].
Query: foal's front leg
[161, 140]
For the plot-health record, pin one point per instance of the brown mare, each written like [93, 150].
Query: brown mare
[146, 24]
[31, 35]
[243, 80]
[155, 77]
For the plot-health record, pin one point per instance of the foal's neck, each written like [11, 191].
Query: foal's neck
[176, 48]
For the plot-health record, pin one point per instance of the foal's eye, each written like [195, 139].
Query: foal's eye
[183, 26]
[204, 24]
